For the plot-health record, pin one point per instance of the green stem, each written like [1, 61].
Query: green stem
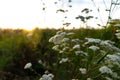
[102, 58]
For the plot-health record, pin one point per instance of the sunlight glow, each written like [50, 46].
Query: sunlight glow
[28, 14]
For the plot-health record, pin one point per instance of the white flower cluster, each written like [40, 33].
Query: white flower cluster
[63, 60]
[104, 54]
[28, 65]
[47, 77]
[105, 69]
[94, 48]
[83, 70]
[107, 44]
[92, 40]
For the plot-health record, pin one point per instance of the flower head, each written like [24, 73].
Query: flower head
[28, 65]
[94, 48]
[76, 47]
[105, 69]
[83, 70]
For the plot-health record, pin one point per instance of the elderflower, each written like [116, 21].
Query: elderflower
[28, 65]
[105, 69]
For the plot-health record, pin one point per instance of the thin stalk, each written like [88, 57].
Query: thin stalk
[98, 10]
[102, 58]
[109, 13]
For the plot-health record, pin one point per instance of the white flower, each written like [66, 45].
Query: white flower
[70, 33]
[77, 52]
[94, 48]
[28, 65]
[75, 40]
[76, 46]
[109, 46]
[47, 77]
[40, 61]
[92, 40]
[51, 39]
[57, 39]
[50, 75]
[65, 40]
[56, 47]
[89, 79]
[63, 60]
[105, 69]
[65, 48]
[113, 57]
[83, 70]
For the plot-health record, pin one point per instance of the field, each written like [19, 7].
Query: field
[76, 54]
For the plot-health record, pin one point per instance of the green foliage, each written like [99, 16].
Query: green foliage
[18, 47]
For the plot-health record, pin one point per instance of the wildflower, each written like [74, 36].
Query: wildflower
[70, 33]
[118, 35]
[77, 52]
[65, 48]
[105, 69]
[63, 34]
[40, 61]
[89, 79]
[109, 46]
[94, 48]
[56, 47]
[63, 60]
[76, 46]
[65, 40]
[47, 77]
[113, 57]
[28, 65]
[92, 40]
[83, 70]
[51, 39]
[75, 40]
[57, 39]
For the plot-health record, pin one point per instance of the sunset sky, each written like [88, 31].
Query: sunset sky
[28, 14]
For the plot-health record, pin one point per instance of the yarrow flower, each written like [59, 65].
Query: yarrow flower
[83, 70]
[113, 57]
[94, 48]
[28, 65]
[63, 60]
[47, 77]
[65, 40]
[77, 52]
[89, 79]
[92, 40]
[76, 46]
[105, 69]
